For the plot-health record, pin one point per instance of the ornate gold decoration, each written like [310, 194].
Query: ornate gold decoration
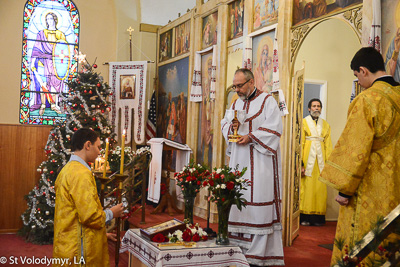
[354, 16]
[298, 34]
[297, 144]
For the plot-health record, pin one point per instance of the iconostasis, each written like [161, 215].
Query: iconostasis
[199, 52]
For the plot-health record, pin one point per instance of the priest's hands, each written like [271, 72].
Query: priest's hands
[117, 210]
[244, 140]
[343, 201]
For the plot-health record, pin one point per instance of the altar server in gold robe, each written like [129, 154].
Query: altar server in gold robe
[317, 146]
[79, 220]
[365, 163]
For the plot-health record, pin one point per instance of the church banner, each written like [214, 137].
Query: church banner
[128, 82]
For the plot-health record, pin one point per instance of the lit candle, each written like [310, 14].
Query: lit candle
[96, 163]
[105, 159]
[92, 166]
[121, 169]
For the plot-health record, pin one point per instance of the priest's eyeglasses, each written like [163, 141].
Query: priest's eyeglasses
[238, 86]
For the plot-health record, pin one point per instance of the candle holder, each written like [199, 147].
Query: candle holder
[120, 180]
[103, 180]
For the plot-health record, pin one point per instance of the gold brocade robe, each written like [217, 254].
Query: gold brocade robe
[365, 163]
[313, 193]
[79, 217]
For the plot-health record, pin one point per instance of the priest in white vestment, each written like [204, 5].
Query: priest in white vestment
[257, 229]
[317, 146]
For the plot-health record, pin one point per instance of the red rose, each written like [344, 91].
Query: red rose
[217, 176]
[198, 182]
[188, 179]
[230, 185]
[187, 235]
[193, 178]
[158, 238]
[211, 182]
[223, 199]
[205, 183]
[196, 237]
[204, 237]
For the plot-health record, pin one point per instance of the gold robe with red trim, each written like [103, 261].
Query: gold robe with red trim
[79, 218]
[365, 163]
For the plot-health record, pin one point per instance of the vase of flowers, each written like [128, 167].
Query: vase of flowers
[226, 185]
[190, 180]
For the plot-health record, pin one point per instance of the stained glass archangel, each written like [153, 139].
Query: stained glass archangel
[49, 42]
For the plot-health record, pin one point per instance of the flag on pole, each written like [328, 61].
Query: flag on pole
[151, 119]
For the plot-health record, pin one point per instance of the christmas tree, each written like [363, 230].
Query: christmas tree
[86, 105]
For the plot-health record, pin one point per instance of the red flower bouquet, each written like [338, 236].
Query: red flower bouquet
[226, 185]
[190, 179]
[192, 233]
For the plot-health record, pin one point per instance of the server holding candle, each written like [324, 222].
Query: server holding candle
[78, 208]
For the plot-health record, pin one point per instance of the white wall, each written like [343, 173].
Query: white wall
[159, 12]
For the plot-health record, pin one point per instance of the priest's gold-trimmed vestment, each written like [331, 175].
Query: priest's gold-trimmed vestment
[365, 163]
[317, 146]
[79, 220]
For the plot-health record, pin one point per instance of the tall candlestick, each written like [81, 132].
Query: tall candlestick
[105, 159]
[121, 169]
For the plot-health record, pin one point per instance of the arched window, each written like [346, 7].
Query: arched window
[50, 39]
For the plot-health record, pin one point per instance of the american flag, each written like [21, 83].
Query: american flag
[151, 120]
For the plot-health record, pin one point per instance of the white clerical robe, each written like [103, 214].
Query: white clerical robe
[257, 229]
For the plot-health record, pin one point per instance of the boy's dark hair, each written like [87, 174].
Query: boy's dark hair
[313, 100]
[369, 58]
[81, 136]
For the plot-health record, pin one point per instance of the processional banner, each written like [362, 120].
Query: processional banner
[128, 82]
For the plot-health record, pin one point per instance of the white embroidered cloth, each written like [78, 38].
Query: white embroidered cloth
[156, 147]
[206, 253]
[137, 69]
[196, 91]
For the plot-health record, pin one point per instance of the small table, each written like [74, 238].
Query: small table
[205, 253]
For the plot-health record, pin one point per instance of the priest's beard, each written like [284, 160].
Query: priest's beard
[242, 97]
[315, 113]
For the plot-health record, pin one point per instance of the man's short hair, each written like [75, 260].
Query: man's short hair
[313, 100]
[81, 136]
[247, 73]
[369, 58]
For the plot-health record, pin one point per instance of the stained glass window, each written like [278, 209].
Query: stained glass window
[50, 40]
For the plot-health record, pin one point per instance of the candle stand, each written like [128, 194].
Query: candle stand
[120, 179]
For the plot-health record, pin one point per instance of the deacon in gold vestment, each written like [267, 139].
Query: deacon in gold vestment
[79, 220]
[317, 146]
[365, 164]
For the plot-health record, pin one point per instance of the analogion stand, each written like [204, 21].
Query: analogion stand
[160, 146]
